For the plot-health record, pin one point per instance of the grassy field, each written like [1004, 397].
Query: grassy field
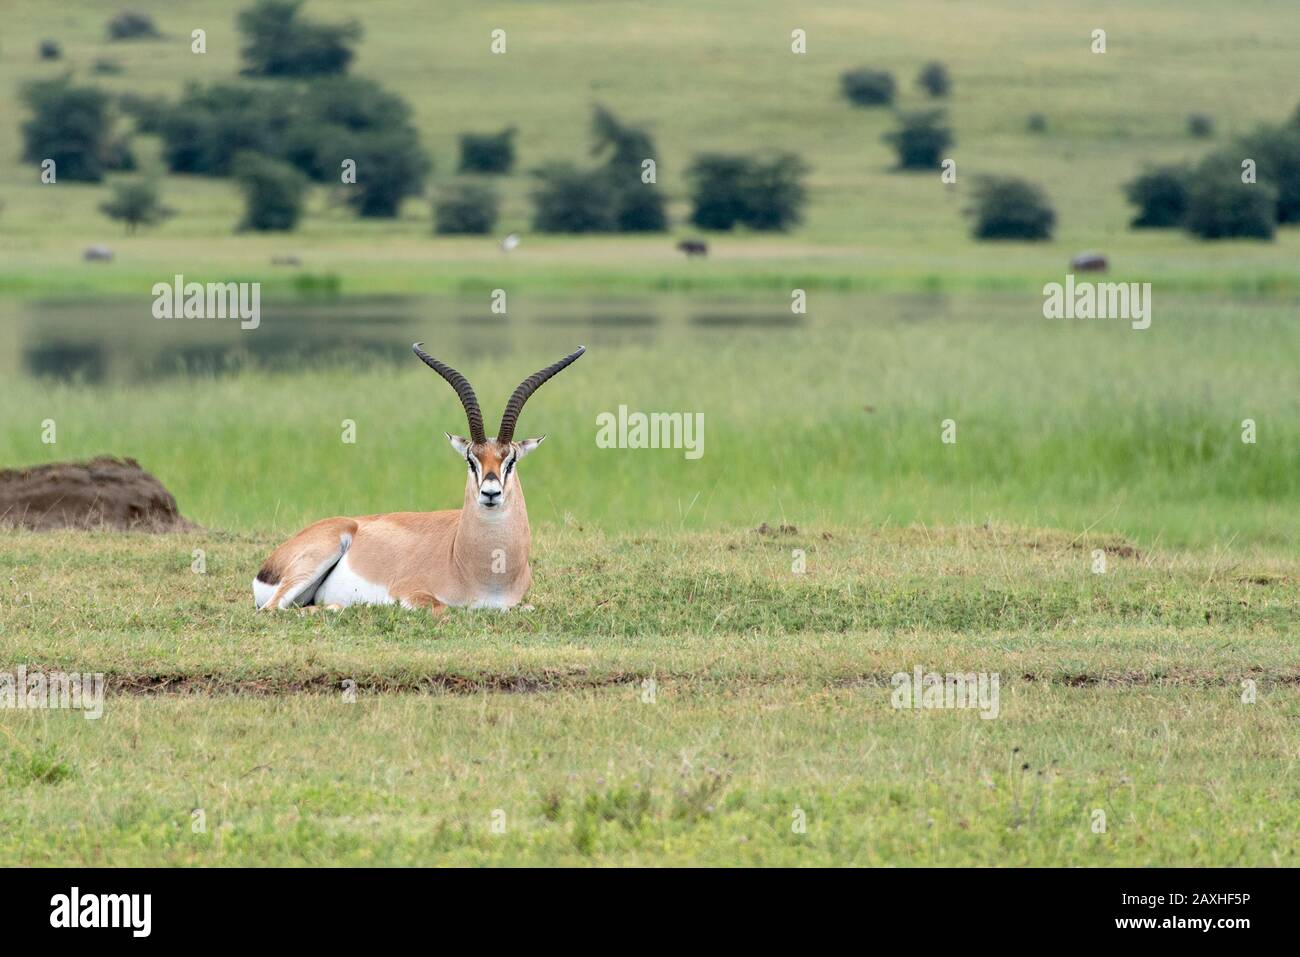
[1120, 692]
[684, 691]
[833, 418]
[721, 78]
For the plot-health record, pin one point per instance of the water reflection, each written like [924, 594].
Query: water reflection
[101, 341]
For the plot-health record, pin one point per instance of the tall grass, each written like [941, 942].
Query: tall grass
[835, 420]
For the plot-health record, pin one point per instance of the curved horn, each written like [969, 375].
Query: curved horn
[463, 389]
[526, 388]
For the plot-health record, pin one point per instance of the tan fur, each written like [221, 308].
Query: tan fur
[425, 559]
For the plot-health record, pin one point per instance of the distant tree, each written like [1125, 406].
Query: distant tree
[314, 129]
[1221, 206]
[764, 194]
[864, 87]
[1037, 123]
[487, 152]
[1160, 194]
[1010, 208]
[920, 139]
[570, 200]
[934, 79]
[71, 125]
[132, 26]
[390, 167]
[50, 50]
[274, 192]
[119, 157]
[1276, 152]
[466, 209]
[149, 112]
[1200, 126]
[136, 204]
[209, 125]
[623, 149]
[278, 42]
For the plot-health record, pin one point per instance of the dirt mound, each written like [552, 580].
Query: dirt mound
[104, 492]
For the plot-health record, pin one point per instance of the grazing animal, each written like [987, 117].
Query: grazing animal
[97, 254]
[1089, 262]
[693, 247]
[475, 556]
[510, 243]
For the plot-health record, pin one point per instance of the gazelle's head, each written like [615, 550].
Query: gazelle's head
[493, 477]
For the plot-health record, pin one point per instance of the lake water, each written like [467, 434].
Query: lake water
[107, 341]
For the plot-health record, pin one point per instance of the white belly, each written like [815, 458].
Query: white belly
[345, 587]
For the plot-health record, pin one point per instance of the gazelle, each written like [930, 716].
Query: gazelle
[475, 556]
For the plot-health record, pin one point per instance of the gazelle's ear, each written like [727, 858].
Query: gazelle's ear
[460, 445]
[527, 445]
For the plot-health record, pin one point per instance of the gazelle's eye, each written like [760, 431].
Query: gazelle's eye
[509, 466]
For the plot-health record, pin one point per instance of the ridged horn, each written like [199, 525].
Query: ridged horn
[526, 388]
[463, 390]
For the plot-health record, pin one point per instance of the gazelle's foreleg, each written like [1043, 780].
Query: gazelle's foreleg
[422, 599]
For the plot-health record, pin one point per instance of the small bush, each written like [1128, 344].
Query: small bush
[920, 139]
[487, 152]
[50, 50]
[1276, 152]
[1160, 194]
[864, 87]
[106, 66]
[71, 125]
[934, 79]
[136, 204]
[132, 26]
[466, 209]
[273, 192]
[1036, 123]
[1200, 126]
[1010, 208]
[570, 200]
[1221, 206]
[730, 190]
[278, 42]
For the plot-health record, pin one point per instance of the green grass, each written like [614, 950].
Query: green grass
[1121, 692]
[714, 78]
[1072, 424]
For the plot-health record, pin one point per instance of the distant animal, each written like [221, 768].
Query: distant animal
[1089, 262]
[97, 254]
[693, 247]
[285, 261]
[510, 242]
[475, 556]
